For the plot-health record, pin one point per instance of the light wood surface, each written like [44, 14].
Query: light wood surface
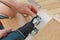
[53, 6]
[15, 22]
[51, 30]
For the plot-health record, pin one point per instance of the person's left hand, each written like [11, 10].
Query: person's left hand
[4, 32]
[25, 8]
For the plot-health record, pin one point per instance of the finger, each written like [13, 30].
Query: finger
[34, 9]
[29, 12]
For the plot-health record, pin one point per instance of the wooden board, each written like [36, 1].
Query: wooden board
[16, 22]
[50, 32]
[52, 6]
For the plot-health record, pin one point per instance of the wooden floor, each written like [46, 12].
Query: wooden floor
[49, 33]
[52, 6]
[52, 29]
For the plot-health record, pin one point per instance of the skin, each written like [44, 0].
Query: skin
[4, 31]
[6, 10]
[28, 9]
[23, 8]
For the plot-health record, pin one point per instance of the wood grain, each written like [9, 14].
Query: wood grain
[50, 32]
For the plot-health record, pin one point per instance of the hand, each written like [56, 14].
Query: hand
[4, 31]
[23, 8]
[28, 9]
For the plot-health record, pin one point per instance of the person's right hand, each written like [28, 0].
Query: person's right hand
[25, 8]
